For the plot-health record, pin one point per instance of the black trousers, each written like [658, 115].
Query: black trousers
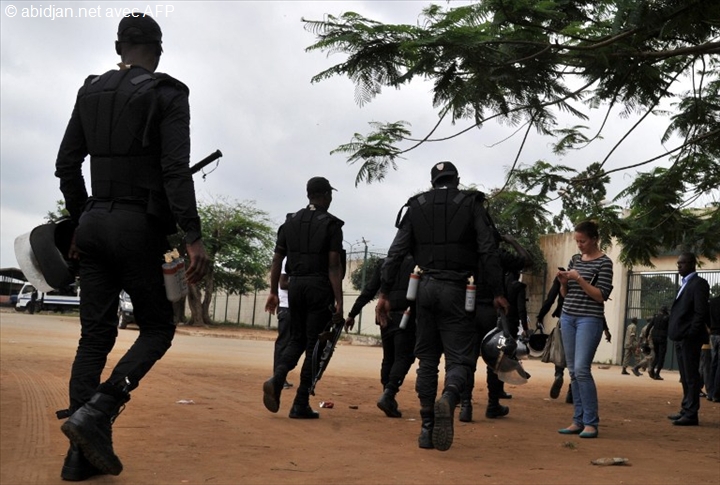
[310, 299]
[443, 327]
[398, 351]
[688, 355]
[119, 249]
[283, 337]
[660, 345]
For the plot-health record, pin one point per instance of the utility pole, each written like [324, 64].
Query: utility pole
[363, 274]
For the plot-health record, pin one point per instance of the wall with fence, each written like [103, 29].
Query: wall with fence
[626, 301]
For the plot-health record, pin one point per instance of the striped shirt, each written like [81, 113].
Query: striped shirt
[579, 303]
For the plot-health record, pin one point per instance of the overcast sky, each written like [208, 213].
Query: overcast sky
[251, 97]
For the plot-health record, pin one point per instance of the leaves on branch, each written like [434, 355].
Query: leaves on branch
[524, 62]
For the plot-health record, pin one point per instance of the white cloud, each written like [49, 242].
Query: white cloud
[250, 96]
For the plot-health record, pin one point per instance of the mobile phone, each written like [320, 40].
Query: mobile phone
[561, 268]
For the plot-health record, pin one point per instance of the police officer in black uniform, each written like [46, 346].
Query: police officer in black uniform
[311, 238]
[398, 340]
[485, 321]
[448, 233]
[134, 124]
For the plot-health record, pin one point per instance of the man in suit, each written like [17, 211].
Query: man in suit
[689, 319]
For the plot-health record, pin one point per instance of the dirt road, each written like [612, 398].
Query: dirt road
[226, 436]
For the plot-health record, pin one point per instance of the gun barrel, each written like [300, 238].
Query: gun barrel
[206, 161]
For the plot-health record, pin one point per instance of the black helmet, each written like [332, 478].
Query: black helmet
[501, 353]
[42, 252]
[536, 343]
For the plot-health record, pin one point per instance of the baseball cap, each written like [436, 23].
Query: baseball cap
[139, 28]
[319, 185]
[442, 169]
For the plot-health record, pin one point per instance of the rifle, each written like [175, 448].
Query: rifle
[327, 340]
[206, 161]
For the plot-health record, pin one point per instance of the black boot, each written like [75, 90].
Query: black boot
[442, 435]
[465, 414]
[569, 397]
[496, 410]
[76, 467]
[388, 404]
[303, 411]
[271, 393]
[90, 427]
[428, 420]
[625, 372]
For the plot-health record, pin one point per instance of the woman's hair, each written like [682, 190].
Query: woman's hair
[589, 228]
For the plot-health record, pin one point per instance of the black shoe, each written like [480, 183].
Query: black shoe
[90, 427]
[425, 439]
[496, 411]
[303, 411]
[658, 378]
[466, 411]
[76, 467]
[625, 372]
[636, 371]
[271, 394]
[505, 395]
[685, 421]
[442, 434]
[388, 404]
[556, 387]
[675, 417]
[427, 414]
[568, 396]
[651, 373]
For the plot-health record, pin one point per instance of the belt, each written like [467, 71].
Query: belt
[111, 205]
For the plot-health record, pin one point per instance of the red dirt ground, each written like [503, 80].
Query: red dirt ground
[227, 437]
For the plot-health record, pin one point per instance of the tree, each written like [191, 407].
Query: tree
[524, 63]
[239, 238]
[366, 269]
[60, 212]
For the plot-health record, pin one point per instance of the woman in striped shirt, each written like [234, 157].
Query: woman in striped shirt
[585, 285]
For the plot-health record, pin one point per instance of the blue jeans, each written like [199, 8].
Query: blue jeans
[581, 336]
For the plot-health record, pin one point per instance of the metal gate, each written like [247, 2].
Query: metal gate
[647, 292]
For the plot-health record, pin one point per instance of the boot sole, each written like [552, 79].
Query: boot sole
[442, 435]
[72, 474]
[110, 466]
[271, 402]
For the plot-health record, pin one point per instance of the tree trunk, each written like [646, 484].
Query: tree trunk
[195, 305]
[199, 303]
[179, 311]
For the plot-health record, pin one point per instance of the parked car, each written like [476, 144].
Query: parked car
[125, 310]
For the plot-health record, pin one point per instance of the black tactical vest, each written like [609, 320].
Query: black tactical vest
[443, 229]
[120, 117]
[307, 235]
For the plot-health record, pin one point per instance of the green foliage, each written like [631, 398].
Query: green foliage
[524, 62]
[59, 212]
[239, 238]
[657, 291]
[366, 270]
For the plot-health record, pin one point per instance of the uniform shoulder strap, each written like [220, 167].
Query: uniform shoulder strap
[163, 78]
